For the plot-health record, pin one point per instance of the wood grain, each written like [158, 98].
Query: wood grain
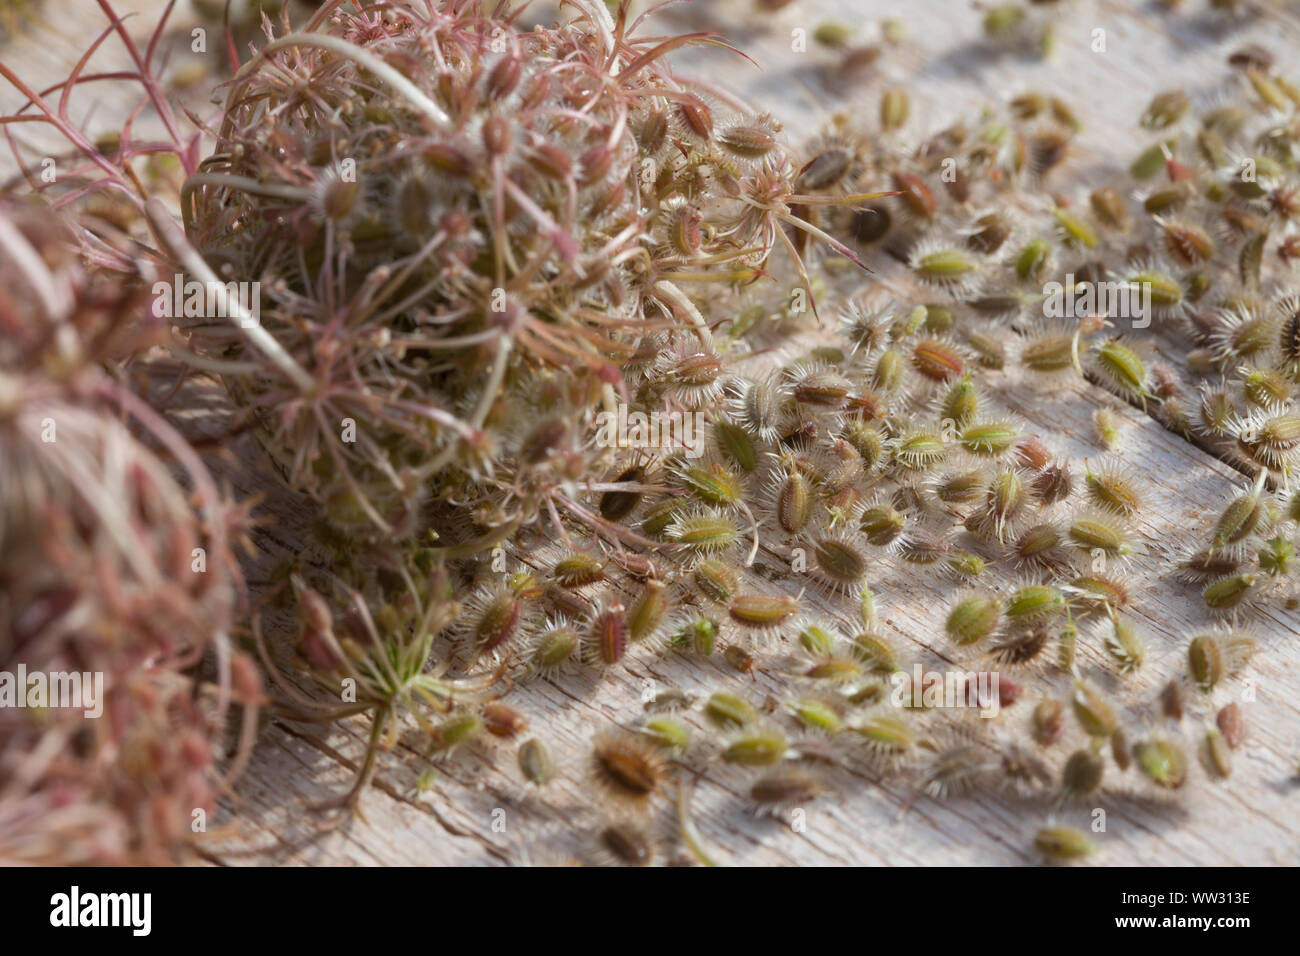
[950, 72]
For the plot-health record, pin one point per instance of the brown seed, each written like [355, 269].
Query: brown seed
[626, 766]
[915, 194]
[794, 502]
[785, 787]
[1232, 724]
[824, 170]
[503, 721]
[937, 360]
[609, 634]
[628, 843]
[497, 137]
[1119, 749]
[751, 142]
[1030, 452]
[870, 223]
[617, 505]
[696, 117]
[1048, 721]
[1171, 700]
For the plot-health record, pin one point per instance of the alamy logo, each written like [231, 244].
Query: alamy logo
[947, 689]
[179, 299]
[663, 430]
[1111, 300]
[64, 689]
[103, 909]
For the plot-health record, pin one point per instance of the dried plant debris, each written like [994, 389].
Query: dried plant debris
[581, 369]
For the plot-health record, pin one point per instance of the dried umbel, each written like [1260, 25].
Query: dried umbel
[461, 252]
[116, 572]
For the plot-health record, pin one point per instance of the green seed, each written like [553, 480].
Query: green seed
[920, 449]
[836, 670]
[456, 730]
[1239, 520]
[839, 561]
[704, 531]
[1165, 110]
[1162, 761]
[717, 580]
[816, 639]
[1082, 774]
[1125, 646]
[894, 109]
[973, 619]
[1098, 533]
[1002, 21]
[756, 749]
[966, 564]
[1228, 592]
[885, 734]
[944, 266]
[1066, 643]
[1108, 206]
[1053, 352]
[1092, 712]
[1205, 662]
[668, 732]
[535, 762]
[730, 710]
[882, 524]
[660, 517]
[1122, 368]
[1063, 843]
[713, 484]
[698, 635]
[890, 371]
[817, 715]
[1032, 259]
[1151, 161]
[648, 612]
[989, 438]
[875, 652]
[554, 647]
[1035, 602]
[759, 610]
[961, 403]
[1164, 289]
[578, 570]
[737, 444]
[1039, 545]
[1216, 755]
[1075, 228]
[1113, 491]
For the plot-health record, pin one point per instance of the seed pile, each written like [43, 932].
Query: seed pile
[489, 256]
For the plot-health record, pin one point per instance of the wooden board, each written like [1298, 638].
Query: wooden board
[480, 811]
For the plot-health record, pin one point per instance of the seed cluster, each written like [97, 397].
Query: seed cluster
[574, 362]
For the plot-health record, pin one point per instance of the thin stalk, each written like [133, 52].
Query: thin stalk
[175, 244]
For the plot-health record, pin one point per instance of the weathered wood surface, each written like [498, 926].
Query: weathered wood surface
[1252, 818]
